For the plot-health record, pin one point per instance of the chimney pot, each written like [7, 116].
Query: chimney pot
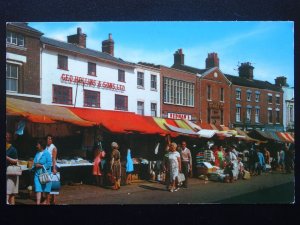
[212, 60]
[79, 31]
[179, 57]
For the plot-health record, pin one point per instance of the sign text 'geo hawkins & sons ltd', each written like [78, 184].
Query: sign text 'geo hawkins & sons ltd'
[91, 82]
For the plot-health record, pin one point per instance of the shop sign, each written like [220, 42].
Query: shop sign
[91, 82]
[215, 105]
[179, 116]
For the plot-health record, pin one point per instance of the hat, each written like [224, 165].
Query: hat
[114, 145]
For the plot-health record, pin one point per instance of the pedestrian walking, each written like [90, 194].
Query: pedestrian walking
[281, 160]
[97, 168]
[261, 162]
[174, 166]
[115, 164]
[186, 162]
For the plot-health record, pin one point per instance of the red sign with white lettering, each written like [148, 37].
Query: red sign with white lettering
[179, 116]
[91, 82]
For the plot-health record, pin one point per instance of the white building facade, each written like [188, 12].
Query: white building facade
[288, 108]
[72, 75]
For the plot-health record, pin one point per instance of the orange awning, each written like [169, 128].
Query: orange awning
[40, 113]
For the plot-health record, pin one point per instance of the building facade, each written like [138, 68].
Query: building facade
[255, 104]
[288, 103]
[23, 62]
[73, 75]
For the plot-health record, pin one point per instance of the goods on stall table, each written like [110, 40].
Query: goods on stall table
[199, 157]
[205, 168]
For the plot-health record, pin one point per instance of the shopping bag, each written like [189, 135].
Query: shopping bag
[44, 177]
[55, 179]
[14, 170]
[181, 177]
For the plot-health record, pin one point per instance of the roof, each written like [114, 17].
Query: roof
[242, 81]
[149, 65]
[25, 26]
[85, 51]
[189, 68]
[40, 113]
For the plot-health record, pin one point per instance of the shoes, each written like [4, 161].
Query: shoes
[176, 189]
[172, 190]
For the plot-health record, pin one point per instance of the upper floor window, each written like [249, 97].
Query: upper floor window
[140, 108]
[277, 100]
[209, 92]
[257, 111]
[12, 76]
[121, 102]
[257, 97]
[15, 39]
[270, 118]
[248, 115]
[222, 94]
[62, 62]
[248, 96]
[140, 79]
[277, 116]
[153, 82]
[238, 114]
[238, 94]
[62, 94]
[153, 109]
[222, 117]
[270, 98]
[91, 69]
[91, 99]
[121, 75]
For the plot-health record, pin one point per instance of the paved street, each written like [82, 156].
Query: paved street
[199, 191]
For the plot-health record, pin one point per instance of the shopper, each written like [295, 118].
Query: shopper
[115, 165]
[282, 160]
[51, 148]
[253, 160]
[12, 181]
[288, 160]
[129, 167]
[186, 163]
[174, 166]
[231, 164]
[97, 169]
[261, 162]
[267, 156]
[42, 163]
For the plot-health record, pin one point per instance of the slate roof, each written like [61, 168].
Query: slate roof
[85, 51]
[149, 65]
[242, 81]
[25, 26]
[189, 69]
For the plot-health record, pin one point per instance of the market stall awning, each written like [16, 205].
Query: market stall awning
[290, 136]
[179, 126]
[207, 133]
[118, 121]
[243, 135]
[41, 113]
[286, 137]
[264, 135]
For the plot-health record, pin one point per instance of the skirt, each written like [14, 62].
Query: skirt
[116, 170]
[12, 185]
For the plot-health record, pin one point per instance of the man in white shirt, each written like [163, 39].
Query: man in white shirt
[186, 162]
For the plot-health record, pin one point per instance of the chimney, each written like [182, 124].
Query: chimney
[246, 70]
[178, 57]
[78, 39]
[212, 60]
[108, 45]
[281, 82]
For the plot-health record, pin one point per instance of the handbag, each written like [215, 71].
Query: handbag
[55, 179]
[181, 177]
[14, 170]
[44, 177]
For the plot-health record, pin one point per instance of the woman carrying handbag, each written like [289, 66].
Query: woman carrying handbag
[42, 164]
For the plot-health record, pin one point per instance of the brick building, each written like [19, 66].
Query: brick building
[23, 62]
[212, 90]
[255, 104]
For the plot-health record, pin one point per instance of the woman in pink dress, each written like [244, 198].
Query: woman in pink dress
[99, 155]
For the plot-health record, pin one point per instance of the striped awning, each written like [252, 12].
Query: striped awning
[179, 126]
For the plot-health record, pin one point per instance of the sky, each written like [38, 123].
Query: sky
[267, 45]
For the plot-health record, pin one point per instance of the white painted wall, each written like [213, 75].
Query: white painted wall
[105, 72]
[287, 95]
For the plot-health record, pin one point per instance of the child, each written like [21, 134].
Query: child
[97, 171]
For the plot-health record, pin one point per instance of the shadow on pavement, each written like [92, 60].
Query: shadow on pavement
[151, 188]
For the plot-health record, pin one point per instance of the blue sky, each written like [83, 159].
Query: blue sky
[269, 46]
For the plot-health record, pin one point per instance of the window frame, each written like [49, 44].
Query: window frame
[208, 92]
[249, 96]
[153, 82]
[70, 94]
[16, 79]
[277, 100]
[125, 97]
[121, 75]
[238, 94]
[277, 116]
[257, 97]
[59, 56]
[222, 94]
[85, 103]
[270, 116]
[141, 79]
[257, 113]
[270, 97]
[142, 109]
[238, 114]
[248, 114]
[18, 38]
[151, 109]
[94, 66]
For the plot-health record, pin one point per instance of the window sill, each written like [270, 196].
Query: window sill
[16, 47]
[121, 81]
[209, 100]
[140, 87]
[238, 99]
[62, 69]
[152, 89]
[61, 103]
[93, 75]
[126, 110]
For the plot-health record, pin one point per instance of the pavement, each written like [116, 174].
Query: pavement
[151, 192]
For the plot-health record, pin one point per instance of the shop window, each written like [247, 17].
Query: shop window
[140, 79]
[121, 75]
[62, 94]
[222, 95]
[14, 38]
[62, 62]
[257, 111]
[91, 99]
[12, 76]
[270, 119]
[153, 82]
[153, 109]
[238, 114]
[140, 108]
[91, 69]
[121, 102]
[238, 94]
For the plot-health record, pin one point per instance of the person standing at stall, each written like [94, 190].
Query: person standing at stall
[51, 148]
[174, 166]
[115, 165]
[129, 167]
[186, 163]
[12, 181]
[42, 161]
[97, 170]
